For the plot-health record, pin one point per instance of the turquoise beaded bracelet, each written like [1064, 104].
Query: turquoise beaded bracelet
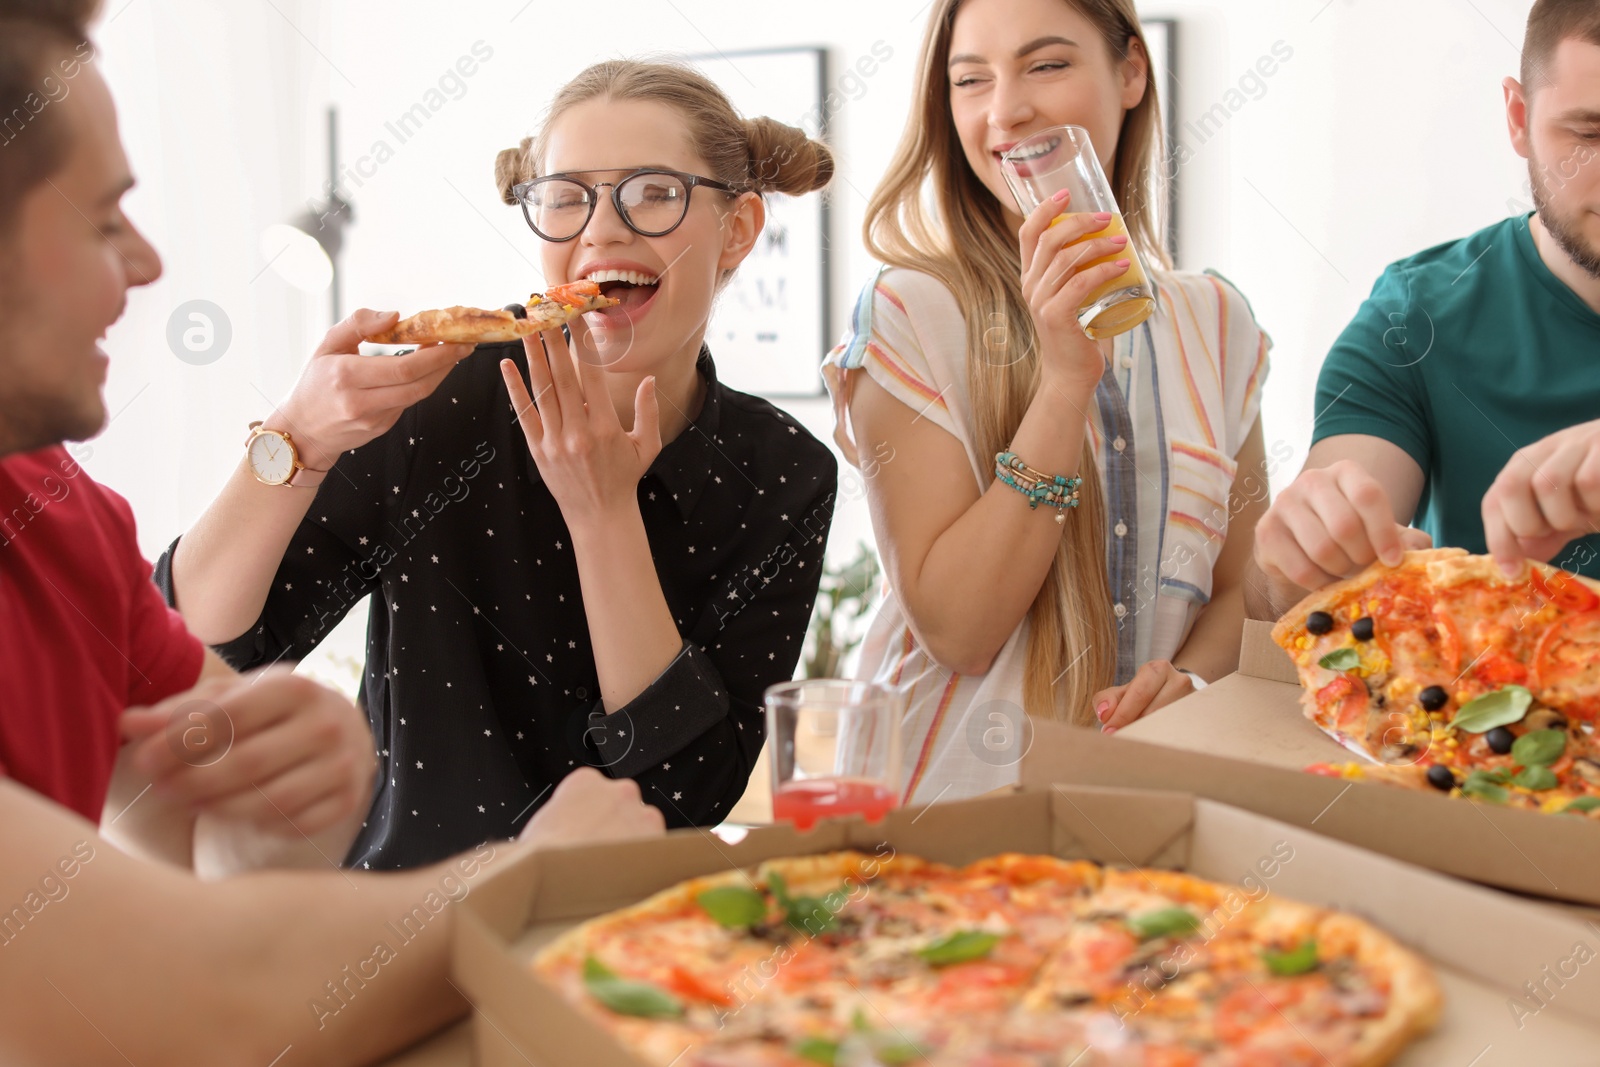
[1056, 491]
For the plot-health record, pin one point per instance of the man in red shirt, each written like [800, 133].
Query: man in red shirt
[220, 774]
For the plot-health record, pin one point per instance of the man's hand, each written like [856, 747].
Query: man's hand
[588, 807]
[1330, 523]
[1548, 494]
[271, 749]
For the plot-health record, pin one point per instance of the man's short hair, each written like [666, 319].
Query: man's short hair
[1549, 23]
[35, 35]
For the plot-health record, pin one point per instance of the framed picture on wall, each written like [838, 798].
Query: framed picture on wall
[770, 327]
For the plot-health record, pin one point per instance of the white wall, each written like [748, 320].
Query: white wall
[1381, 134]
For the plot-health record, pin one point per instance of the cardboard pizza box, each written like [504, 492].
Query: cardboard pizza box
[1245, 740]
[1521, 982]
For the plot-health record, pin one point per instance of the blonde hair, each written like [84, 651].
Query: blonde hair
[965, 243]
[759, 155]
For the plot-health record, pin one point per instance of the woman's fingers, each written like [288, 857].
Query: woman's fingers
[1157, 684]
[647, 418]
[564, 374]
[522, 403]
[540, 384]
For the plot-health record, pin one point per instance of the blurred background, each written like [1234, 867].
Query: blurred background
[1378, 131]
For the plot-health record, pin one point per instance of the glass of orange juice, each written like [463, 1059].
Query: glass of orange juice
[1062, 158]
[835, 750]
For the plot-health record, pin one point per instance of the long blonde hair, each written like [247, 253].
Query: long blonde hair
[1072, 642]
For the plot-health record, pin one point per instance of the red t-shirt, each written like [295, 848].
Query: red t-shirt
[84, 633]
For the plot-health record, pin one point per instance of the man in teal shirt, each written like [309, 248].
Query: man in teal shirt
[1462, 396]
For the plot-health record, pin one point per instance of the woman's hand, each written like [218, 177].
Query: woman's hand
[343, 399]
[1056, 282]
[591, 464]
[1157, 684]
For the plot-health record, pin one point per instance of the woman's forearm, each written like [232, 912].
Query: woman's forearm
[630, 626]
[223, 567]
[1212, 648]
[983, 573]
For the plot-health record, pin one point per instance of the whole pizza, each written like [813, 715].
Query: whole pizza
[1014, 961]
[1446, 674]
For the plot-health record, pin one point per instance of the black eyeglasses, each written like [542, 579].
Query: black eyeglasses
[652, 203]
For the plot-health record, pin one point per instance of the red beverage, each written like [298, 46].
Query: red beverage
[804, 801]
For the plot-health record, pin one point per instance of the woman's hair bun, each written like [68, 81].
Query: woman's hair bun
[512, 165]
[784, 160]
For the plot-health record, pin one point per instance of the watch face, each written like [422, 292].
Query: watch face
[271, 458]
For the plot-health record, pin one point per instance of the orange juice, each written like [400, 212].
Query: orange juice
[1112, 308]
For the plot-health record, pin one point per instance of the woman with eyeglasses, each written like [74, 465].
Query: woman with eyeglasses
[584, 552]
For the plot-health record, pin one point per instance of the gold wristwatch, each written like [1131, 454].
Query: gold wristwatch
[275, 461]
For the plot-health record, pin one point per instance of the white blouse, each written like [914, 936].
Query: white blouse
[1176, 403]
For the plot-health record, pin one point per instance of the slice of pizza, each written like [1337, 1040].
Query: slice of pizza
[1451, 675]
[468, 325]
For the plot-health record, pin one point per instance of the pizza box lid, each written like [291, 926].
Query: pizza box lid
[1245, 740]
[1484, 945]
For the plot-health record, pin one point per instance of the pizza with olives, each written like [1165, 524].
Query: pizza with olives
[1447, 674]
[1013, 961]
[467, 325]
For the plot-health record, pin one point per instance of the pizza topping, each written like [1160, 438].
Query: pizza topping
[1361, 629]
[1319, 623]
[1343, 659]
[1441, 777]
[1499, 740]
[1298, 960]
[627, 997]
[1536, 778]
[1486, 785]
[1163, 923]
[1502, 707]
[1563, 590]
[518, 311]
[1433, 698]
[1539, 747]
[959, 947]
[1542, 718]
[1583, 804]
[733, 906]
[1587, 769]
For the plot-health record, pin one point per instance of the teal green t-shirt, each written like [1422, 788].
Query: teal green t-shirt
[1463, 354]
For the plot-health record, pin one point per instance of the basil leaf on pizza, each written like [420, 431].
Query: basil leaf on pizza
[1343, 659]
[1504, 706]
[1482, 784]
[626, 996]
[1583, 804]
[733, 906]
[960, 947]
[1163, 923]
[1539, 747]
[1298, 960]
[1535, 777]
[818, 1050]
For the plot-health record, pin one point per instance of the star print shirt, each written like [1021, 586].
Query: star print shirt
[480, 680]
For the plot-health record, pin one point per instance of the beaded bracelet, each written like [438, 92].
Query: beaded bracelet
[1052, 490]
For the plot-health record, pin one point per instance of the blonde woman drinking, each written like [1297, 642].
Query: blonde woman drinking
[967, 347]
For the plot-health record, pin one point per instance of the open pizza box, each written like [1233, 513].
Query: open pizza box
[1493, 953]
[1245, 740]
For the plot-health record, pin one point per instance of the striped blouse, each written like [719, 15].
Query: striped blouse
[1177, 401]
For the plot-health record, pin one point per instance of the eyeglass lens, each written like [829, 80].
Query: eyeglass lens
[652, 204]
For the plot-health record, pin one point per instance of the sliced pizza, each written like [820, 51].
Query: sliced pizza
[468, 325]
[1448, 674]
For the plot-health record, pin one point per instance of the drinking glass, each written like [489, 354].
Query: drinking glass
[1062, 158]
[835, 750]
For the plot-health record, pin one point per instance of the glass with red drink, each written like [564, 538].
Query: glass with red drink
[835, 750]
